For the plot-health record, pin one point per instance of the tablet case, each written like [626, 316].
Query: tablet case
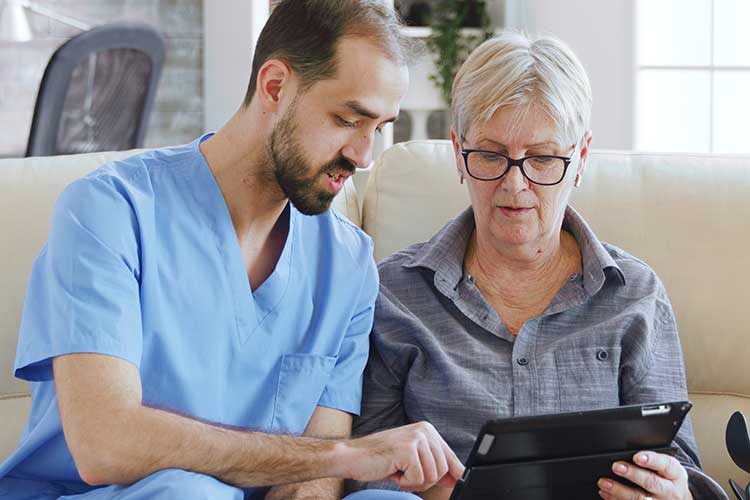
[561, 456]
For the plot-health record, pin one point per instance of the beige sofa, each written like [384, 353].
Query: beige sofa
[688, 216]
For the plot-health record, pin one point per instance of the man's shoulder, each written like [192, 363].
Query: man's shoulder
[342, 232]
[135, 169]
[126, 182]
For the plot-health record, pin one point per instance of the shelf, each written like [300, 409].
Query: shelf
[426, 31]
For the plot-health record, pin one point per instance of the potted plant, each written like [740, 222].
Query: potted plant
[451, 42]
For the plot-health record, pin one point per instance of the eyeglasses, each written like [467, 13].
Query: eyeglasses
[545, 170]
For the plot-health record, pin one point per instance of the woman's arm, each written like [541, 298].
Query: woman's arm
[653, 371]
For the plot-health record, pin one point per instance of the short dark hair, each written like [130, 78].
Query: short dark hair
[305, 34]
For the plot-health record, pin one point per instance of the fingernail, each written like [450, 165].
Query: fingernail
[605, 485]
[642, 458]
[620, 468]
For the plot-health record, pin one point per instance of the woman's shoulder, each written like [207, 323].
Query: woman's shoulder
[637, 272]
[400, 265]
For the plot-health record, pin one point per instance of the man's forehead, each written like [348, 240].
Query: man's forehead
[366, 81]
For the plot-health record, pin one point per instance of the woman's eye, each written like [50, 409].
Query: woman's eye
[543, 159]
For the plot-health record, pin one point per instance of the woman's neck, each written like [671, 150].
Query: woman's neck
[522, 279]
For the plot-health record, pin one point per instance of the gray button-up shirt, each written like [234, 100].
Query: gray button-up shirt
[441, 353]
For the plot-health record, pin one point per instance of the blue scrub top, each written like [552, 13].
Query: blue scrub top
[143, 263]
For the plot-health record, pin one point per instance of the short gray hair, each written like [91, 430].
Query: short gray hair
[515, 70]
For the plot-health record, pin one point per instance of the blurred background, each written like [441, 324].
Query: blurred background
[667, 75]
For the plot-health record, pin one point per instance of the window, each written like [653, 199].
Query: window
[693, 76]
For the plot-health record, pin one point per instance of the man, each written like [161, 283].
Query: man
[197, 308]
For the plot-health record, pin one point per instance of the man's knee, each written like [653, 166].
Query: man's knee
[178, 483]
[381, 495]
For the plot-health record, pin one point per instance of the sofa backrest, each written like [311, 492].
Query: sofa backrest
[688, 216]
[28, 190]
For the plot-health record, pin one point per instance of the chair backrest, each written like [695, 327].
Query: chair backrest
[688, 216]
[97, 91]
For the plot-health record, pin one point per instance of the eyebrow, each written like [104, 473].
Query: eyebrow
[363, 111]
[528, 146]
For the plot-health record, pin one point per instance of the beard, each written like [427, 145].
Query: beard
[300, 181]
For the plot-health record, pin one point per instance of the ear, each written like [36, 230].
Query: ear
[584, 154]
[275, 81]
[457, 154]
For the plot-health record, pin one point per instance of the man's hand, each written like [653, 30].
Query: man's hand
[661, 476]
[413, 456]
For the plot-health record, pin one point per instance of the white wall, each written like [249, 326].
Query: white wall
[601, 34]
[230, 30]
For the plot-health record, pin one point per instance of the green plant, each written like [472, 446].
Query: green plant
[450, 42]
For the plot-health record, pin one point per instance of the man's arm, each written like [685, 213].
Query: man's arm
[324, 423]
[115, 439]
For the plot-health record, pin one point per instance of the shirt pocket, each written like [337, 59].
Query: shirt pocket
[588, 378]
[302, 380]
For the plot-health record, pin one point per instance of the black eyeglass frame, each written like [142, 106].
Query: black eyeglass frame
[518, 163]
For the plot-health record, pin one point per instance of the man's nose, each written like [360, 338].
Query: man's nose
[359, 150]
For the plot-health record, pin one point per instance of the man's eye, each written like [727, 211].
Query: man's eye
[379, 130]
[346, 123]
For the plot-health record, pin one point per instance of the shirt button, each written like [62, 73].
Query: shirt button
[522, 361]
[602, 355]
[573, 277]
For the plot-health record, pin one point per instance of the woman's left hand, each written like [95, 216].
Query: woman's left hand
[661, 476]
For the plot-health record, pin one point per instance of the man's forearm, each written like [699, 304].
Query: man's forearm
[319, 489]
[238, 457]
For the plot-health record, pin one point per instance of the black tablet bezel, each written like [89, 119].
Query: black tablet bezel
[550, 436]
[555, 438]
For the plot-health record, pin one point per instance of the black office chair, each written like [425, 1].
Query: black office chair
[97, 91]
[738, 445]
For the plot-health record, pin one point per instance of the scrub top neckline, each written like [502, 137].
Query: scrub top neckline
[251, 308]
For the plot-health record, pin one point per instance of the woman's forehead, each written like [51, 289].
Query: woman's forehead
[518, 127]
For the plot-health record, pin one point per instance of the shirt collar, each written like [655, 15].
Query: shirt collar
[444, 253]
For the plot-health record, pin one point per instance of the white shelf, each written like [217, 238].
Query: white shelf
[426, 31]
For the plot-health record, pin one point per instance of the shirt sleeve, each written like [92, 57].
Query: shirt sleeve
[344, 388]
[655, 373]
[383, 389]
[83, 291]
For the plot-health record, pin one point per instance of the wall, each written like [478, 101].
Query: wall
[601, 34]
[230, 35]
[177, 116]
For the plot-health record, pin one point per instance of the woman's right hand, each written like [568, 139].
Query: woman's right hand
[413, 456]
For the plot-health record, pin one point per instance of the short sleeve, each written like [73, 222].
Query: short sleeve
[344, 388]
[83, 291]
[387, 369]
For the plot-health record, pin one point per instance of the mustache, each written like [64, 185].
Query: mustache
[339, 163]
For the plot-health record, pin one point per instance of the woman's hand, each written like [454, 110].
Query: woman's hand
[661, 476]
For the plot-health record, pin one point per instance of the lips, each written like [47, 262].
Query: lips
[336, 176]
[511, 211]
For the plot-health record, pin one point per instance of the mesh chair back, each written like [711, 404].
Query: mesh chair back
[97, 91]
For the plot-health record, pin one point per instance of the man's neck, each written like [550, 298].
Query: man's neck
[237, 157]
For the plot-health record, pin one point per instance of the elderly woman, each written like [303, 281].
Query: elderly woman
[515, 307]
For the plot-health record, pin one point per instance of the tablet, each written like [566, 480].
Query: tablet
[562, 456]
